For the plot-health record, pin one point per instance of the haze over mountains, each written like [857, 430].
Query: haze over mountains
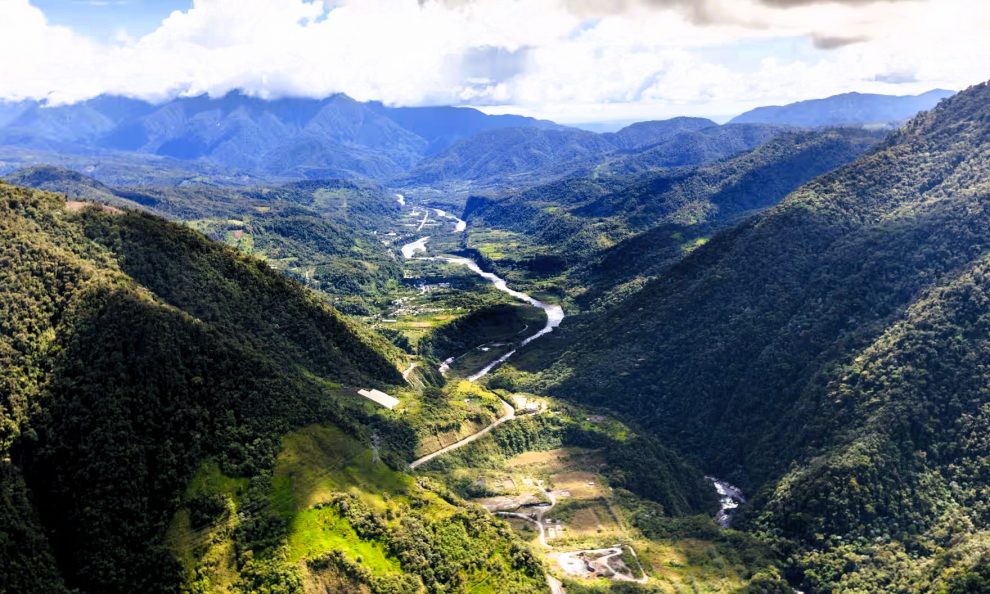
[242, 138]
[284, 138]
[848, 109]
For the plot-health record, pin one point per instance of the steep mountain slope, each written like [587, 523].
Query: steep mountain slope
[678, 211]
[442, 126]
[694, 147]
[830, 354]
[848, 109]
[39, 126]
[615, 228]
[9, 110]
[505, 155]
[321, 233]
[159, 403]
[287, 137]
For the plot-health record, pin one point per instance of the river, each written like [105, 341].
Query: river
[555, 313]
[729, 498]
[459, 225]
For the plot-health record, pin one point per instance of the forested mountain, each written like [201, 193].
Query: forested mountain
[322, 233]
[847, 109]
[131, 349]
[238, 139]
[170, 412]
[644, 134]
[502, 155]
[64, 181]
[693, 147]
[619, 227]
[442, 126]
[284, 138]
[830, 356]
[521, 157]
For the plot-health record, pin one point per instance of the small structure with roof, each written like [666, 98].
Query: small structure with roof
[389, 402]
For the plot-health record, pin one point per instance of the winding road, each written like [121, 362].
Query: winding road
[602, 563]
[541, 510]
[510, 413]
[408, 370]
[555, 315]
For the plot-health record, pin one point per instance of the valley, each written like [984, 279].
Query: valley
[574, 512]
[310, 346]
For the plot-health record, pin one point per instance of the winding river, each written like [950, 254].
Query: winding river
[555, 313]
[729, 496]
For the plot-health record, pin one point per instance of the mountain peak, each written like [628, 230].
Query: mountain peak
[846, 109]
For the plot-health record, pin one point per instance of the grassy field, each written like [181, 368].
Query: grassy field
[525, 264]
[321, 481]
[591, 514]
[432, 294]
[315, 463]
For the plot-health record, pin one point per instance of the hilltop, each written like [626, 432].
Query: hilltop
[847, 109]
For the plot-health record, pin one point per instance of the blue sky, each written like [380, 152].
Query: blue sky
[567, 60]
[104, 19]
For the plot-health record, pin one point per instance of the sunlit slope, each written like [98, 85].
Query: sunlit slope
[133, 348]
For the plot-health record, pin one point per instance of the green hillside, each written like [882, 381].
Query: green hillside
[515, 158]
[157, 390]
[613, 229]
[322, 233]
[829, 356]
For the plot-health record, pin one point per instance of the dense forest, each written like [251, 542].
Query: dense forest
[322, 233]
[829, 356]
[521, 157]
[150, 371]
[494, 297]
[610, 231]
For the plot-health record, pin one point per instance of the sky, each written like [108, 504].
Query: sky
[567, 60]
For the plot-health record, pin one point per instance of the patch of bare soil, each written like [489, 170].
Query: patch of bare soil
[78, 205]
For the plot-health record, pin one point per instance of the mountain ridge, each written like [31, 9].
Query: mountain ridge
[326, 137]
[843, 328]
[846, 109]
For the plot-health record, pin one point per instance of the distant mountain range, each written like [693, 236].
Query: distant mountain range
[848, 109]
[287, 138]
[519, 157]
[241, 139]
[651, 219]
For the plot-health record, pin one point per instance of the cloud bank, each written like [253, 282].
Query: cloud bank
[568, 59]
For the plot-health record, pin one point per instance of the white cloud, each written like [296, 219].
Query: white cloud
[567, 59]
